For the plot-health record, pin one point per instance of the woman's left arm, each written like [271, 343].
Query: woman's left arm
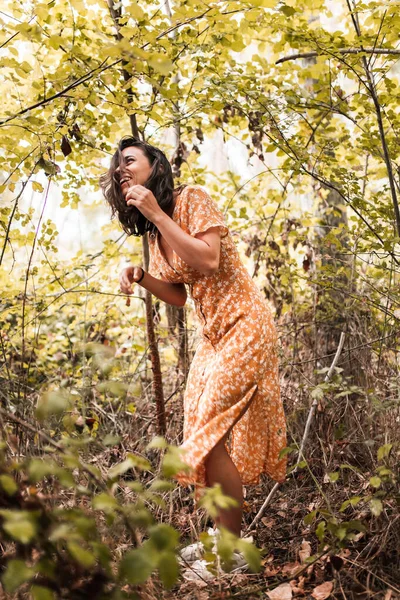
[202, 252]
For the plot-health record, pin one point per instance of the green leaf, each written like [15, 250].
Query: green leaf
[251, 554]
[384, 451]
[121, 468]
[52, 403]
[341, 533]
[21, 525]
[42, 593]
[356, 524]
[168, 569]
[285, 451]
[288, 11]
[111, 440]
[375, 481]
[8, 484]
[214, 499]
[157, 442]
[351, 502]
[164, 537]
[15, 575]
[376, 506]
[159, 485]
[334, 476]
[113, 388]
[172, 463]
[225, 546]
[81, 555]
[39, 468]
[105, 502]
[320, 531]
[308, 519]
[132, 461]
[137, 565]
[49, 167]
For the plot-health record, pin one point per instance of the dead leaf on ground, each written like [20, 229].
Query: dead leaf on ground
[296, 589]
[323, 591]
[268, 522]
[290, 569]
[271, 571]
[305, 551]
[282, 592]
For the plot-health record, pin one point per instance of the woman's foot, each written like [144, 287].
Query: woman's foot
[195, 551]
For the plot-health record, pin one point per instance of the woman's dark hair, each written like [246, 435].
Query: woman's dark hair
[160, 182]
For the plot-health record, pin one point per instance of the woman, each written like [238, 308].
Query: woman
[232, 388]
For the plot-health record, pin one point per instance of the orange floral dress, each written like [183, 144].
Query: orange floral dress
[233, 382]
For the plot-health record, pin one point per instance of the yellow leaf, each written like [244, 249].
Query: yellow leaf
[37, 187]
[160, 63]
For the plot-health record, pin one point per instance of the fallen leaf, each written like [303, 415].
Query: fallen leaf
[296, 589]
[270, 571]
[305, 551]
[301, 582]
[290, 569]
[323, 591]
[268, 522]
[282, 592]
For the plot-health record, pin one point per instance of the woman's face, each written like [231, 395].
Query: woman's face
[136, 170]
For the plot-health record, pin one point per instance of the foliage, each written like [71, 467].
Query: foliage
[312, 205]
[71, 543]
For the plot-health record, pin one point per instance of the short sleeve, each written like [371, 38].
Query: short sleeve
[203, 213]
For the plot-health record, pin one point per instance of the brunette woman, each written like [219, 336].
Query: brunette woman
[233, 387]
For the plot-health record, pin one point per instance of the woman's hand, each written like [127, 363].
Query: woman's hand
[144, 200]
[128, 276]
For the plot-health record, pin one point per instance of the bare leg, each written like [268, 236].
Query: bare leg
[221, 469]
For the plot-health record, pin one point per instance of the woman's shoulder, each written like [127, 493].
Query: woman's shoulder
[191, 188]
[191, 192]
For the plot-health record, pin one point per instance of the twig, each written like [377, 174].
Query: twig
[340, 51]
[315, 402]
[264, 506]
[355, 564]
[305, 435]
[101, 484]
[374, 95]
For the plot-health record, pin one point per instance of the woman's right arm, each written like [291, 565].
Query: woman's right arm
[171, 293]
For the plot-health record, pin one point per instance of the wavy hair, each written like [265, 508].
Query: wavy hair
[160, 183]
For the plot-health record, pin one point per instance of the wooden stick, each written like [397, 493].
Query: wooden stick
[385, 51]
[315, 402]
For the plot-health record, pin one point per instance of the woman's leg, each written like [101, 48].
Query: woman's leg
[221, 469]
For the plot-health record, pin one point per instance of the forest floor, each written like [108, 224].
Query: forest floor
[293, 564]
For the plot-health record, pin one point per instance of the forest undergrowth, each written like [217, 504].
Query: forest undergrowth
[82, 490]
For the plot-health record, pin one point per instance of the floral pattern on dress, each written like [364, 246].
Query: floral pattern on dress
[233, 382]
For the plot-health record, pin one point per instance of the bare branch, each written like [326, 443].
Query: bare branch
[385, 51]
[374, 95]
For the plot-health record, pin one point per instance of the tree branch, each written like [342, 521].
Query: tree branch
[375, 99]
[385, 51]
[73, 85]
